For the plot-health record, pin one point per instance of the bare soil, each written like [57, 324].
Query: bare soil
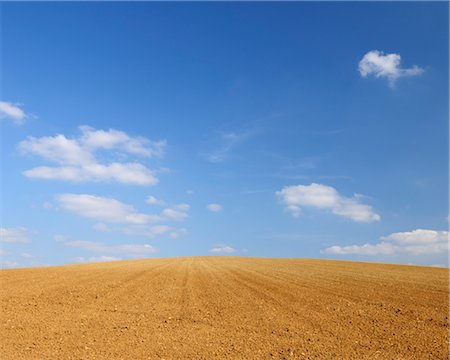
[225, 308]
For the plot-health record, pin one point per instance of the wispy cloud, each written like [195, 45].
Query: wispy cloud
[12, 111]
[229, 141]
[222, 249]
[128, 250]
[387, 66]
[176, 212]
[320, 196]
[102, 258]
[214, 207]
[416, 242]
[8, 264]
[151, 200]
[14, 235]
[77, 162]
[146, 231]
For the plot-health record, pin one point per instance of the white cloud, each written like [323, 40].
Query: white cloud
[147, 231]
[366, 249]
[101, 258]
[222, 249]
[380, 65]
[14, 235]
[109, 210]
[214, 207]
[12, 111]
[133, 250]
[103, 209]
[8, 264]
[151, 200]
[129, 173]
[77, 161]
[325, 197]
[27, 255]
[416, 242]
[420, 241]
[176, 212]
[3, 252]
[115, 139]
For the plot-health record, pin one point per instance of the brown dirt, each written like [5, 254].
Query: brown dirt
[225, 308]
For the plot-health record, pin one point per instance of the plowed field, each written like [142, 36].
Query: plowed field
[225, 308]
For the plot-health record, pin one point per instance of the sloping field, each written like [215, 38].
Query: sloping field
[225, 307]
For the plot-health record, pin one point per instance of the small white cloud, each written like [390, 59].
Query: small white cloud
[130, 250]
[13, 112]
[27, 255]
[14, 235]
[101, 258]
[416, 242]
[4, 264]
[176, 212]
[380, 65]
[77, 161]
[222, 250]
[214, 207]
[114, 139]
[147, 231]
[3, 252]
[325, 197]
[103, 209]
[151, 200]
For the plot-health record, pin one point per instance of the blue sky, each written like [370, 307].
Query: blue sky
[252, 129]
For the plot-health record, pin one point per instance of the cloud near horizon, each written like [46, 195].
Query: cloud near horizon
[128, 250]
[325, 197]
[222, 249]
[14, 235]
[387, 66]
[416, 242]
[101, 258]
[76, 160]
